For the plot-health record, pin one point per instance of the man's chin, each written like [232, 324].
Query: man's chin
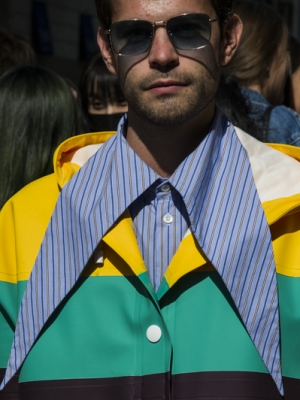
[166, 113]
[166, 119]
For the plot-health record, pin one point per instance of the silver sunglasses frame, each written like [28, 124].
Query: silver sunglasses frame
[155, 25]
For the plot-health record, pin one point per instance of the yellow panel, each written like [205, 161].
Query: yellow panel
[286, 244]
[23, 222]
[289, 150]
[25, 217]
[64, 169]
[188, 257]
[123, 241]
[113, 265]
[275, 209]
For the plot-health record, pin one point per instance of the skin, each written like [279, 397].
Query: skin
[170, 94]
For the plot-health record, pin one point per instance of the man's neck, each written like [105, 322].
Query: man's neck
[164, 148]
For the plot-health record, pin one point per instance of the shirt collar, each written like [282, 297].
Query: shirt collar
[184, 179]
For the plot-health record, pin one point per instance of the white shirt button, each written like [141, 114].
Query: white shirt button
[154, 333]
[165, 188]
[168, 219]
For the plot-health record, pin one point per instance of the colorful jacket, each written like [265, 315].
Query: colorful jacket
[112, 337]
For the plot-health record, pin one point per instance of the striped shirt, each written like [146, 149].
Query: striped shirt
[160, 220]
[212, 192]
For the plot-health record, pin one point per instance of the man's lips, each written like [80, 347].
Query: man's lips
[165, 86]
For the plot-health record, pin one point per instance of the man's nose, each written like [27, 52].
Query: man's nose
[162, 50]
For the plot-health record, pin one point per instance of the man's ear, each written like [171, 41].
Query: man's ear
[232, 35]
[106, 50]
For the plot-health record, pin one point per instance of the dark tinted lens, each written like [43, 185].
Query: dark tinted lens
[191, 31]
[130, 38]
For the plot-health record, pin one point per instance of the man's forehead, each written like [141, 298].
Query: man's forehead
[155, 10]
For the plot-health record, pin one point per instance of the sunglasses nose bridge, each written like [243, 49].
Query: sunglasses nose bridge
[157, 24]
[160, 24]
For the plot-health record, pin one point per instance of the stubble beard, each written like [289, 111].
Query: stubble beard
[171, 109]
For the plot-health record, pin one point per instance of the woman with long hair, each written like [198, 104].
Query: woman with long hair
[261, 66]
[37, 113]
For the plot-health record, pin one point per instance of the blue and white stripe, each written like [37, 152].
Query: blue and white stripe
[159, 240]
[225, 215]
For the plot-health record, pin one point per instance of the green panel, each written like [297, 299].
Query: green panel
[100, 331]
[8, 316]
[144, 277]
[205, 330]
[9, 300]
[109, 307]
[289, 304]
[163, 288]
[6, 339]
[21, 289]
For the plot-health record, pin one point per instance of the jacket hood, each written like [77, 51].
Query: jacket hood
[74, 152]
[276, 172]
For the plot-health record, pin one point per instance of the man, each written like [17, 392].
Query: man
[156, 277]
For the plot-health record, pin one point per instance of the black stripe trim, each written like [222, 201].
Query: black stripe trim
[196, 386]
[10, 391]
[232, 385]
[154, 387]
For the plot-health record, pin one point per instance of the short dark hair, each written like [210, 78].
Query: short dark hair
[105, 9]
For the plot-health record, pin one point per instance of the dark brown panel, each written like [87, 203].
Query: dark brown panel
[10, 392]
[154, 387]
[196, 386]
[232, 385]
[292, 388]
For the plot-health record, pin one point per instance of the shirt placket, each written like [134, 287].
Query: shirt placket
[165, 226]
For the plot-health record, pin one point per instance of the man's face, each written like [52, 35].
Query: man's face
[168, 86]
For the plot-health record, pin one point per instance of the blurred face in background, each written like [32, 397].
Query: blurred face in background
[100, 104]
[105, 108]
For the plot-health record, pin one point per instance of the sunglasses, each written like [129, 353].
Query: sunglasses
[135, 37]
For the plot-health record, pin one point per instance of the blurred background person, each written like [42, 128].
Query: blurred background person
[37, 112]
[14, 51]
[261, 65]
[293, 84]
[103, 103]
